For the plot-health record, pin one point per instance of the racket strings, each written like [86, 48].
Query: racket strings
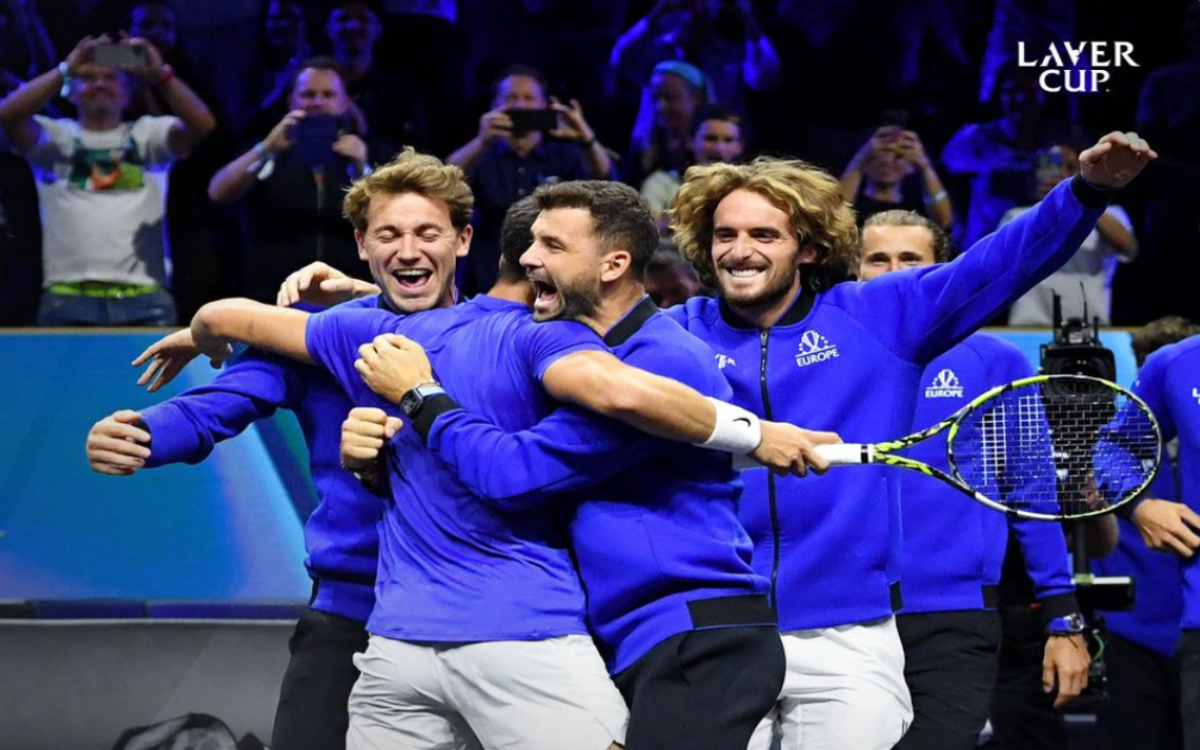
[1060, 448]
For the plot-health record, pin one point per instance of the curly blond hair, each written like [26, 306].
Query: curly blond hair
[820, 216]
[411, 172]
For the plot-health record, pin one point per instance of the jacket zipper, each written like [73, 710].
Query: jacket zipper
[764, 337]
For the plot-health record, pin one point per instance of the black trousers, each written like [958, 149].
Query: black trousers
[1188, 653]
[703, 689]
[312, 712]
[1142, 708]
[950, 664]
[1023, 715]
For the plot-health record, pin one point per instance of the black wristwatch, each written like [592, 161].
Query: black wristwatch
[413, 399]
[1068, 625]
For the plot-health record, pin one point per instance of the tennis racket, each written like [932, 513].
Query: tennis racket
[1048, 447]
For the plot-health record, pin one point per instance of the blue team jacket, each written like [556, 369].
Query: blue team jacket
[340, 535]
[953, 547]
[1169, 382]
[655, 533]
[451, 568]
[1157, 578]
[849, 359]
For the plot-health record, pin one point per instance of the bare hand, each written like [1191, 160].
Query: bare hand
[571, 124]
[788, 449]
[1164, 526]
[1065, 664]
[279, 139]
[154, 61]
[81, 59]
[393, 365]
[172, 353]
[352, 147]
[912, 150]
[364, 433]
[116, 446]
[494, 124]
[323, 285]
[1115, 160]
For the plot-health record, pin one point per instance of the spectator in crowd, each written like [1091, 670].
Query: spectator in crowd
[661, 137]
[671, 279]
[293, 180]
[194, 219]
[420, 42]
[1141, 668]
[1085, 282]
[504, 163]
[716, 138]
[875, 180]
[722, 39]
[102, 185]
[1169, 109]
[394, 111]
[998, 156]
[25, 51]
[284, 45]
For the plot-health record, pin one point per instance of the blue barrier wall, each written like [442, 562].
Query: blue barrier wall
[222, 530]
[227, 529]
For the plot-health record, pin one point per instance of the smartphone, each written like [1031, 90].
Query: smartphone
[312, 139]
[119, 56]
[526, 120]
[894, 117]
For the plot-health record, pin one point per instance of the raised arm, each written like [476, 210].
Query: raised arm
[945, 302]
[196, 120]
[218, 324]
[19, 107]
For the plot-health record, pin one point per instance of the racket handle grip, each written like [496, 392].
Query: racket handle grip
[847, 454]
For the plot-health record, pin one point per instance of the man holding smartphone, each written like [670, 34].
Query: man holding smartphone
[527, 139]
[293, 181]
[102, 181]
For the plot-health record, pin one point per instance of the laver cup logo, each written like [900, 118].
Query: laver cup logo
[1076, 67]
[814, 348]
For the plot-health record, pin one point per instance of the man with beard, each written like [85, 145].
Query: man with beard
[479, 612]
[681, 618]
[774, 237]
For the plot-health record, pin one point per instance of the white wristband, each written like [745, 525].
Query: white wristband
[737, 431]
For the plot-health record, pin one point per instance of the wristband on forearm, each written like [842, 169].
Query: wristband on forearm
[737, 431]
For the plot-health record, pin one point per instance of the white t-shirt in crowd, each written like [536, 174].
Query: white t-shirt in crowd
[103, 198]
[1087, 277]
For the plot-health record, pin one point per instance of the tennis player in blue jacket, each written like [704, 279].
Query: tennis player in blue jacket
[1168, 382]
[774, 237]
[953, 548]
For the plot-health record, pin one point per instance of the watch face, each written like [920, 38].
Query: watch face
[410, 401]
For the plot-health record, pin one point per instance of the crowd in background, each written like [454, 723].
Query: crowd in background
[914, 105]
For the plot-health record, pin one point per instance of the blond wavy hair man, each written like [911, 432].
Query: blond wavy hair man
[775, 237]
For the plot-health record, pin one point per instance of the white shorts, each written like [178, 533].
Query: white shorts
[499, 695]
[844, 688]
